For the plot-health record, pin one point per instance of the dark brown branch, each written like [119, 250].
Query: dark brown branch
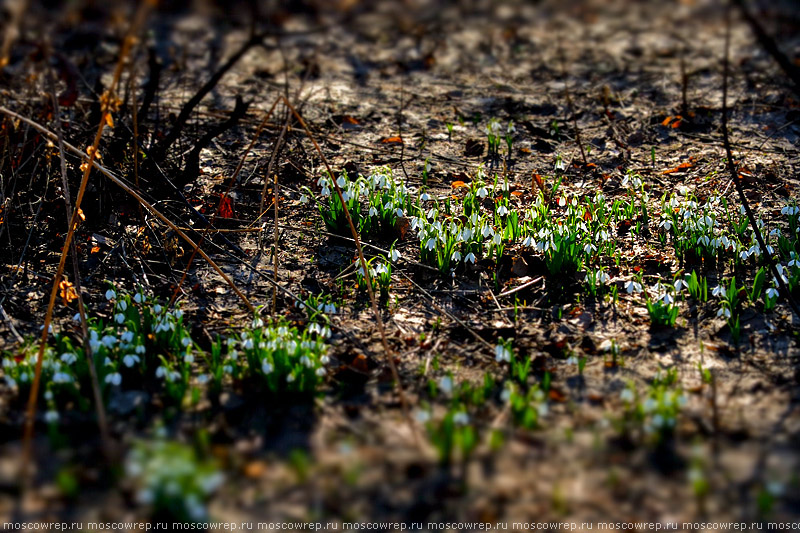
[735, 175]
[770, 46]
[160, 151]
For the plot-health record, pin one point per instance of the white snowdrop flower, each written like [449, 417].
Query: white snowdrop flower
[626, 395]
[703, 239]
[744, 254]
[320, 372]
[502, 210]
[543, 410]
[188, 358]
[110, 294]
[456, 256]
[505, 396]
[431, 244]
[680, 285]
[373, 212]
[658, 421]
[266, 367]
[202, 379]
[161, 371]
[470, 258]
[185, 342]
[157, 309]
[62, 377]
[257, 323]
[666, 224]
[51, 416]
[211, 482]
[325, 192]
[466, 234]
[69, 358]
[173, 376]
[446, 385]
[138, 298]
[572, 360]
[395, 255]
[528, 242]
[633, 287]
[228, 369]
[122, 305]
[589, 248]
[119, 318]
[109, 341]
[324, 359]
[248, 344]
[341, 182]
[561, 165]
[94, 345]
[290, 378]
[48, 395]
[76, 317]
[130, 360]
[790, 210]
[772, 292]
[399, 212]
[719, 290]
[487, 231]
[303, 199]
[497, 239]
[775, 488]
[178, 314]
[668, 299]
[501, 354]
[562, 201]
[724, 312]
[649, 405]
[126, 336]
[482, 192]
[329, 308]
[422, 416]
[114, 379]
[346, 196]
[461, 418]
[424, 197]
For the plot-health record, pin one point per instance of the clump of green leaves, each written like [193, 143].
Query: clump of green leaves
[172, 479]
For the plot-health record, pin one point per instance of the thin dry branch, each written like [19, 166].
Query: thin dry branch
[108, 101]
[365, 268]
[737, 181]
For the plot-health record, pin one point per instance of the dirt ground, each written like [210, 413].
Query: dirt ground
[362, 75]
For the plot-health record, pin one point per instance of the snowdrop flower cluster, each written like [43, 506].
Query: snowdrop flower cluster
[696, 227]
[165, 473]
[284, 356]
[502, 353]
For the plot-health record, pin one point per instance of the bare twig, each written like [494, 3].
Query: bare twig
[451, 316]
[98, 399]
[108, 100]
[737, 181]
[768, 43]
[571, 109]
[367, 276]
